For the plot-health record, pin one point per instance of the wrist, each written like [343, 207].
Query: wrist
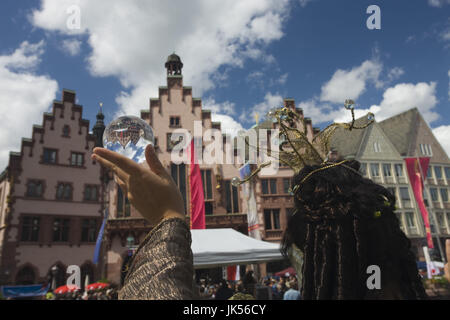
[172, 214]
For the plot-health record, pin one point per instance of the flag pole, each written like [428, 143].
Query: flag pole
[425, 183]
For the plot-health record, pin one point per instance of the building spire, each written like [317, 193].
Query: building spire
[99, 127]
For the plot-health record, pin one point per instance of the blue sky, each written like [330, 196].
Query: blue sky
[240, 57]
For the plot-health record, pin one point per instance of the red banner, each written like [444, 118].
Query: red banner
[417, 171]
[196, 196]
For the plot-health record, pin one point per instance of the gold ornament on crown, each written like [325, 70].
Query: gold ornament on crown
[299, 148]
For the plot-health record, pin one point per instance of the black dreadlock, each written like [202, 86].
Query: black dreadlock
[344, 223]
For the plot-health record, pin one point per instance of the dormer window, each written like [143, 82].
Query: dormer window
[425, 150]
[377, 147]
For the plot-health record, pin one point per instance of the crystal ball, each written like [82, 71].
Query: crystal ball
[129, 136]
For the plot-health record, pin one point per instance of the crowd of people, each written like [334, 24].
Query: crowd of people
[272, 288]
[109, 293]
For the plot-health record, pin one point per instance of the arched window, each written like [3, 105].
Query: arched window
[25, 276]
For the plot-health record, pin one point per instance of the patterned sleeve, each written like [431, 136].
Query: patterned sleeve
[162, 267]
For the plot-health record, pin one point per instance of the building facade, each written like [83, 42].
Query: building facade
[51, 200]
[381, 148]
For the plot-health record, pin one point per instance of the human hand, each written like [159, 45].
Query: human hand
[151, 191]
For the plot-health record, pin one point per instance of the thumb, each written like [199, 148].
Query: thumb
[152, 160]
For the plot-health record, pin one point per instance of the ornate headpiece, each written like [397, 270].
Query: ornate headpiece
[299, 147]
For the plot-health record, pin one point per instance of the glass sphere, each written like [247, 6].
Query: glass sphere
[370, 116]
[235, 182]
[129, 136]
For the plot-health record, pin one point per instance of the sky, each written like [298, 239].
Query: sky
[241, 57]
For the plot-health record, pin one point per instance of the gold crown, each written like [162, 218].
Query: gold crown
[298, 148]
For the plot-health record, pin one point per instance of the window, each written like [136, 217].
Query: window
[376, 147]
[287, 183]
[441, 222]
[438, 172]
[231, 197]
[170, 143]
[123, 204]
[175, 122]
[447, 172]
[178, 173]
[66, 131]
[387, 170]
[61, 230]
[64, 191]
[429, 173]
[207, 184]
[398, 170]
[272, 219]
[410, 222]
[363, 169]
[88, 230]
[77, 159]
[425, 149]
[49, 156]
[404, 194]
[434, 194]
[269, 186]
[30, 229]
[444, 194]
[448, 220]
[90, 193]
[209, 208]
[35, 188]
[374, 169]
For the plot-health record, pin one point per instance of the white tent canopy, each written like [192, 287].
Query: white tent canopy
[221, 247]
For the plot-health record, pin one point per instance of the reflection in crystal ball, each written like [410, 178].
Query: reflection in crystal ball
[129, 136]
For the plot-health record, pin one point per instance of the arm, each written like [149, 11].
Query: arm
[162, 267]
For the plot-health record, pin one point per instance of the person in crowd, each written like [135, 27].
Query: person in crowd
[292, 293]
[224, 292]
[241, 293]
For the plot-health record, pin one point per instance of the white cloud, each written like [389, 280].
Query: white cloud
[132, 39]
[438, 3]
[395, 73]
[303, 3]
[71, 46]
[442, 133]
[404, 96]
[228, 124]
[226, 107]
[350, 84]
[24, 96]
[397, 99]
[270, 101]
